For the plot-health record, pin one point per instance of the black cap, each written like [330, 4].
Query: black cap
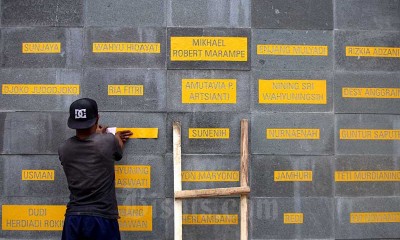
[83, 113]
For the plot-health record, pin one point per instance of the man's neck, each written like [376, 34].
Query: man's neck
[85, 133]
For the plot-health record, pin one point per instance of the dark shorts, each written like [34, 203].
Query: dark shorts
[79, 227]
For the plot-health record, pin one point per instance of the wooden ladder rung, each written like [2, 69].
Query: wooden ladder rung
[215, 192]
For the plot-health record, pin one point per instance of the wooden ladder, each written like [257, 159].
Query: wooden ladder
[243, 190]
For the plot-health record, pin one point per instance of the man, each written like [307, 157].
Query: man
[88, 162]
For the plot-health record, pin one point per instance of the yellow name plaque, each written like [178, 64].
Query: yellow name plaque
[210, 176]
[292, 50]
[208, 133]
[392, 93]
[209, 91]
[41, 47]
[125, 90]
[141, 132]
[293, 176]
[37, 175]
[135, 218]
[51, 218]
[126, 47]
[292, 91]
[40, 89]
[369, 134]
[33, 217]
[293, 133]
[293, 218]
[361, 51]
[375, 217]
[210, 219]
[227, 49]
[132, 176]
[367, 176]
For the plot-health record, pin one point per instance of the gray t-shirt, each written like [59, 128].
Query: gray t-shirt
[89, 167]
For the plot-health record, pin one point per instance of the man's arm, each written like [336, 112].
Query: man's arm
[121, 136]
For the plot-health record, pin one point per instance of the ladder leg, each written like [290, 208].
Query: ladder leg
[244, 178]
[177, 180]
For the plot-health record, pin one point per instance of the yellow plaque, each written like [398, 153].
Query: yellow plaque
[40, 89]
[126, 47]
[208, 133]
[293, 176]
[209, 91]
[51, 218]
[226, 49]
[375, 217]
[293, 133]
[293, 218]
[142, 132]
[210, 176]
[285, 91]
[292, 50]
[367, 176]
[41, 47]
[361, 51]
[210, 219]
[392, 93]
[37, 175]
[135, 218]
[369, 134]
[33, 217]
[132, 176]
[125, 90]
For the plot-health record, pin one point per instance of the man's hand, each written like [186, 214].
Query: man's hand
[123, 136]
[101, 129]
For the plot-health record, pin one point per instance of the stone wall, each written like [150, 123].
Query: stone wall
[319, 81]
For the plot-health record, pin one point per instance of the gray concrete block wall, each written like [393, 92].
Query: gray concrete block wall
[268, 219]
[70, 54]
[331, 69]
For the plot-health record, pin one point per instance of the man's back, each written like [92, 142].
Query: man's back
[89, 167]
[88, 162]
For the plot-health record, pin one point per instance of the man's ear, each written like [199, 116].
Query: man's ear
[97, 121]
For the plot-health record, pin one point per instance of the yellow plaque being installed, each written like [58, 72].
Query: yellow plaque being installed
[40, 89]
[369, 134]
[361, 51]
[33, 217]
[367, 176]
[285, 91]
[37, 175]
[293, 133]
[125, 90]
[208, 133]
[135, 218]
[375, 217]
[41, 47]
[292, 50]
[210, 219]
[141, 132]
[210, 176]
[126, 47]
[293, 176]
[392, 93]
[209, 91]
[132, 176]
[293, 218]
[227, 49]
